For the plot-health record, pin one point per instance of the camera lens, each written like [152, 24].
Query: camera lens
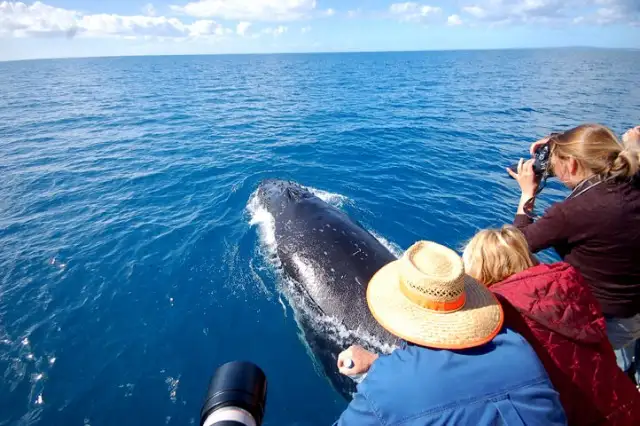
[237, 395]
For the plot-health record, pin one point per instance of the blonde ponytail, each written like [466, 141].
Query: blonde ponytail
[598, 151]
[625, 165]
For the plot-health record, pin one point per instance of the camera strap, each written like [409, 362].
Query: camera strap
[585, 185]
[529, 205]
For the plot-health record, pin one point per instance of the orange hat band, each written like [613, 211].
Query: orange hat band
[424, 301]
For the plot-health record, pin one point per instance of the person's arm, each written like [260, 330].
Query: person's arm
[528, 182]
[552, 228]
[359, 412]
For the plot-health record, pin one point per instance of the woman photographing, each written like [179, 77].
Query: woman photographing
[596, 229]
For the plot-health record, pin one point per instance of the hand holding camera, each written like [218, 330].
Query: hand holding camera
[530, 173]
[526, 177]
[539, 144]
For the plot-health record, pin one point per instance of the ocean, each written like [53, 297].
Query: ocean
[134, 259]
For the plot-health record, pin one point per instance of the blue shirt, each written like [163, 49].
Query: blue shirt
[500, 383]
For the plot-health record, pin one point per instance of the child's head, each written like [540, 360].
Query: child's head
[493, 255]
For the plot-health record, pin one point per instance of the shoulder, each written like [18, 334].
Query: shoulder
[392, 383]
[422, 383]
[399, 370]
[540, 275]
[557, 283]
[602, 193]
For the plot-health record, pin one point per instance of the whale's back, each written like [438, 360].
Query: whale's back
[333, 259]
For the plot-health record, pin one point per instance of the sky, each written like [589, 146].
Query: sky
[80, 28]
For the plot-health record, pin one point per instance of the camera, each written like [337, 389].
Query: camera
[237, 396]
[541, 165]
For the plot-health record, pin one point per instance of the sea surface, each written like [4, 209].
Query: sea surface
[132, 254]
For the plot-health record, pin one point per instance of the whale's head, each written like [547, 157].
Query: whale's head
[276, 194]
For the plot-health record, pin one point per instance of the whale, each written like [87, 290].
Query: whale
[330, 258]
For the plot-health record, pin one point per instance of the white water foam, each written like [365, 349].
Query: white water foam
[172, 387]
[258, 279]
[392, 247]
[331, 327]
[260, 217]
[336, 200]
[345, 337]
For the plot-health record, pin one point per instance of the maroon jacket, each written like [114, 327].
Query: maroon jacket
[552, 307]
[598, 232]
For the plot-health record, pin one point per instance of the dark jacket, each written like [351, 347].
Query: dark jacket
[551, 306]
[597, 232]
[500, 383]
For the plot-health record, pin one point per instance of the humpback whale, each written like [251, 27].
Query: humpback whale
[331, 259]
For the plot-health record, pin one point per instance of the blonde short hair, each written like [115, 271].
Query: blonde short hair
[493, 255]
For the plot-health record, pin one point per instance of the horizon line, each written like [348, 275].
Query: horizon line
[338, 52]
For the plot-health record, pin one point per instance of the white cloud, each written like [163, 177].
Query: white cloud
[628, 6]
[305, 30]
[242, 27]
[276, 31]
[38, 19]
[554, 11]
[454, 20]
[607, 15]
[271, 31]
[354, 13]
[150, 10]
[329, 12]
[249, 10]
[617, 11]
[476, 11]
[413, 12]
[205, 28]
[519, 11]
[116, 25]
[41, 20]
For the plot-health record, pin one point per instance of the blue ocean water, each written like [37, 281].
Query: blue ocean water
[131, 259]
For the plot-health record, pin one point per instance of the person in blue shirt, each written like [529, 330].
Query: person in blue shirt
[457, 365]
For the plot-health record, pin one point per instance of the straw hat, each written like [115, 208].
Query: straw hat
[426, 298]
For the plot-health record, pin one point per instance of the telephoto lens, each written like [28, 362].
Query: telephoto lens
[236, 397]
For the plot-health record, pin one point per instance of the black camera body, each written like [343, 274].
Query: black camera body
[541, 165]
